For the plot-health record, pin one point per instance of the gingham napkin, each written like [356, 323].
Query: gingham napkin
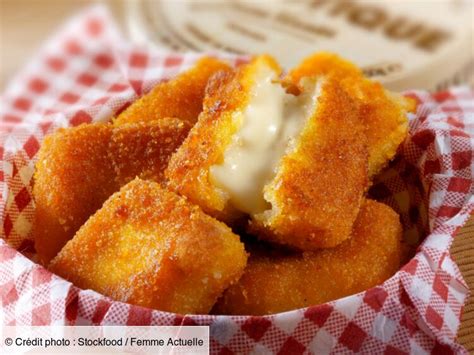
[89, 73]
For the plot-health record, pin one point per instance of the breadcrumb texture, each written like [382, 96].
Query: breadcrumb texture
[149, 247]
[319, 186]
[79, 168]
[144, 149]
[227, 95]
[278, 283]
[383, 113]
[180, 97]
[73, 177]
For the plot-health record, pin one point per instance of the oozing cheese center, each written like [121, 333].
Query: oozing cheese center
[269, 126]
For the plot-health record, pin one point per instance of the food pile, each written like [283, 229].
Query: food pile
[227, 190]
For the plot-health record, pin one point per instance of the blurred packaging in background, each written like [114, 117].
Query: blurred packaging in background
[405, 44]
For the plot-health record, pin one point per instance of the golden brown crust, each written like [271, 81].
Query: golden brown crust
[79, 168]
[149, 247]
[73, 177]
[180, 97]
[384, 115]
[188, 171]
[143, 149]
[278, 283]
[319, 187]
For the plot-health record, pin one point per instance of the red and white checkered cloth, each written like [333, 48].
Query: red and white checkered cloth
[88, 73]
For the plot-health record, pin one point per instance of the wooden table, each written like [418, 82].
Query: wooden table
[25, 24]
[463, 253]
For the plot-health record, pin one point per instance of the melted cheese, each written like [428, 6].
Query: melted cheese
[269, 125]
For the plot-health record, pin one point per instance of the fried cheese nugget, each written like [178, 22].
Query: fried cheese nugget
[296, 164]
[143, 149]
[149, 247]
[79, 168]
[273, 284]
[73, 177]
[384, 113]
[180, 97]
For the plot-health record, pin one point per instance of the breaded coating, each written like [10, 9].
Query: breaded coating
[314, 193]
[188, 170]
[73, 177]
[149, 247]
[143, 149]
[180, 97]
[319, 186]
[79, 168]
[384, 113]
[278, 283]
